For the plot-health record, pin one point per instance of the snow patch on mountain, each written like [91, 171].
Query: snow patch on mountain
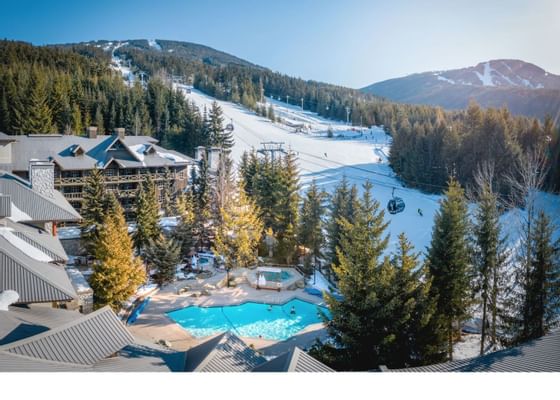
[443, 78]
[153, 43]
[486, 77]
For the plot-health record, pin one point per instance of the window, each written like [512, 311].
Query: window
[71, 174]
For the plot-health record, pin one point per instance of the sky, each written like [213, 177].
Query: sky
[346, 42]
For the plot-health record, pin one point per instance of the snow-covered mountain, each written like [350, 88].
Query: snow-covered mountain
[523, 87]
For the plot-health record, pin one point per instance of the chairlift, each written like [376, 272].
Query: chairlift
[396, 204]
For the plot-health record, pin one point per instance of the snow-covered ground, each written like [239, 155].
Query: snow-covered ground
[119, 65]
[360, 154]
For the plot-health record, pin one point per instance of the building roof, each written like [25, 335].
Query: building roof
[539, 355]
[31, 206]
[295, 360]
[48, 340]
[83, 153]
[222, 353]
[83, 341]
[40, 239]
[23, 269]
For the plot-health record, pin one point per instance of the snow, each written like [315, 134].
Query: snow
[321, 283]
[467, 347]
[18, 215]
[26, 248]
[154, 44]
[172, 157]
[358, 153]
[486, 78]
[443, 78]
[139, 150]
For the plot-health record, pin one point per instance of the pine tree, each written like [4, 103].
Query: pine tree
[39, 114]
[201, 190]
[218, 135]
[271, 115]
[147, 215]
[167, 193]
[163, 255]
[342, 206]
[448, 261]
[489, 259]
[286, 211]
[94, 208]
[184, 233]
[117, 273]
[542, 288]
[311, 221]
[225, 185]
[238, 235]
[352, 328]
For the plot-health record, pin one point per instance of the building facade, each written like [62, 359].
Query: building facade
[125, 161]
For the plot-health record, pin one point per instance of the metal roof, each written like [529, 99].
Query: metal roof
[35, 281]
[222, 353]
[43, 339]
[33, 206]
[84, 341]
[22, 322]
[97, 152]
[539, 355]
[295, 360]
[39, 239]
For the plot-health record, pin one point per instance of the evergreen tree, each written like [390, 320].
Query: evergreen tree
[39, 115]
[163, 255]
[201, 190]
[342, 205]
[311, 221]
[218, 135]
[94, 208]
[225, 185]
[147, 214]
[448, 261]
[489, 259]
[167, 193]
[286, 211]
[238, 235]
[184, 233]
[117, 273]
[542, 288]
[271, 114]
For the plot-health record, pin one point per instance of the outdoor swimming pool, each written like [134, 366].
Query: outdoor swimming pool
[271, 276]
[258, 320]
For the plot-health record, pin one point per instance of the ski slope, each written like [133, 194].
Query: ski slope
[359, 155]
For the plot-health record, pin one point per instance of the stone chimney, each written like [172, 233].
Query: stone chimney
[214, 158]
[199, 153]
[41, 176]
[5, 206]
[119, 132]
[91, 132]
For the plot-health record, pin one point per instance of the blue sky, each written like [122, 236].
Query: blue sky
[347, 42]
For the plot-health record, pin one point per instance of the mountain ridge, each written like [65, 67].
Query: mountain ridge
[525, 88]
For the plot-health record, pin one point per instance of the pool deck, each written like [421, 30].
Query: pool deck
[154, 325]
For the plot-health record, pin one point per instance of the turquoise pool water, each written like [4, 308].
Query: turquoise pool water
[271, 276]
[258, 320]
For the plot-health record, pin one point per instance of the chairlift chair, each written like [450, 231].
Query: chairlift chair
[396, 204]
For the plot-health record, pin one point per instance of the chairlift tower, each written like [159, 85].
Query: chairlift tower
[272, 148]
